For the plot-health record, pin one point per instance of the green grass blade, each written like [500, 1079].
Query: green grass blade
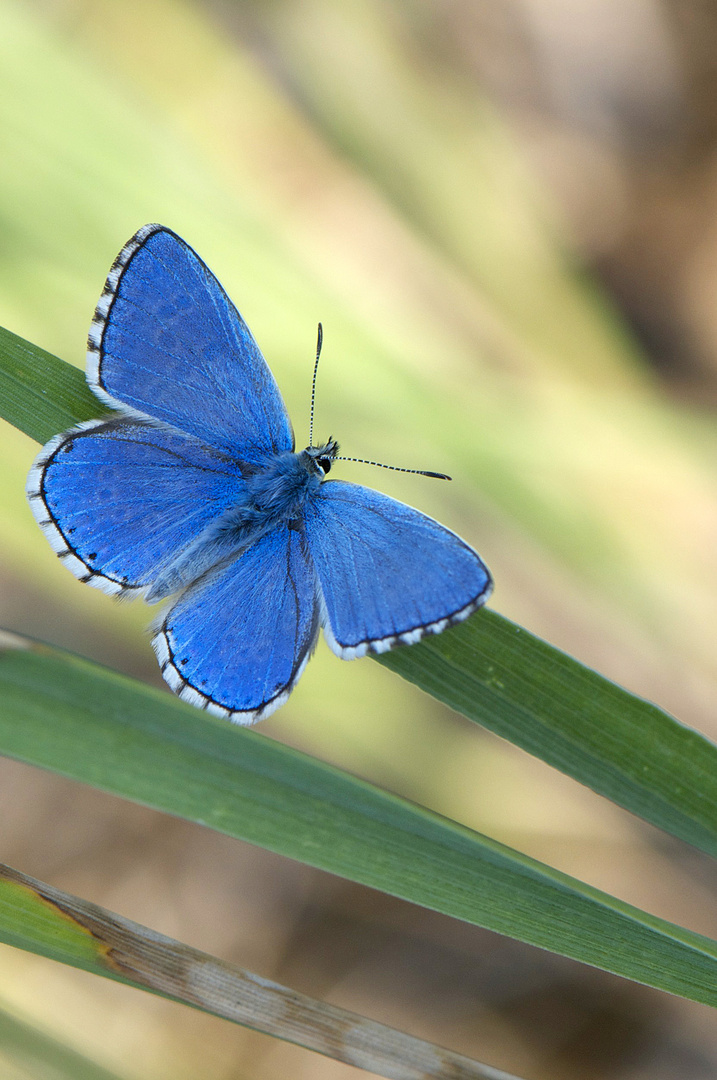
[544, 701]
[36, 1054]
[65, 714]
[488, 669]
[40, 394]
[42, 919]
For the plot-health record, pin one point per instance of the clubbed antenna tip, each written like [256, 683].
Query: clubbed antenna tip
[396, 468]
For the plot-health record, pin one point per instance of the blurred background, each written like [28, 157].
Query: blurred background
[505, 215]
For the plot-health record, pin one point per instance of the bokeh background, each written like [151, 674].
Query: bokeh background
[505, 215]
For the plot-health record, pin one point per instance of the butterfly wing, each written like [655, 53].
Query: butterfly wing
[388, 574]
[237, 641]
[167, 342]
[117, 499]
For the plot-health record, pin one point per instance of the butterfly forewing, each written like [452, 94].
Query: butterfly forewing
[167, 342]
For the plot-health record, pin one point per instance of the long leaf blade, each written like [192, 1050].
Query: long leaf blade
[65, 714]
[489, 669]
[40, 394]
[39, 918]
[527, 691]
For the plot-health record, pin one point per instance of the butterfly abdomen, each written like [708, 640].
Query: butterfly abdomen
[274, 496]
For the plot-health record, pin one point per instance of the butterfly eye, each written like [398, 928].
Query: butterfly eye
[324, 464]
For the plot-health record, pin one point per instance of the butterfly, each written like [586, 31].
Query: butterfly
[192, 489]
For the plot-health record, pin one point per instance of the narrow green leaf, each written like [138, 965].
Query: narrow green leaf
[39, 1055]
[529, 692]
[41, 919]
[65, 714]
[489, 669]
[40, 394]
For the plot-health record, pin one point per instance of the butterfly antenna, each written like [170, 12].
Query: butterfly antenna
[396, 468]
[319, 342]
[358, 460]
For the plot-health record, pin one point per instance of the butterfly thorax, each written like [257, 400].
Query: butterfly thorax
[274, 494]
[280, 489]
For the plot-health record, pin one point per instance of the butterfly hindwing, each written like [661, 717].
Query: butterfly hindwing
[167, 342]
[388, 574]
[119, 498]
[237, 641]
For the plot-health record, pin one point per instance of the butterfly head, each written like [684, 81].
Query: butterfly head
[320, 458]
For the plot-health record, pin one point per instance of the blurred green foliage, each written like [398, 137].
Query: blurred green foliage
[382, 196]
[326, 167]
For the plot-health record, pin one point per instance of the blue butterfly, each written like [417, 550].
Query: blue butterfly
[192, 489]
